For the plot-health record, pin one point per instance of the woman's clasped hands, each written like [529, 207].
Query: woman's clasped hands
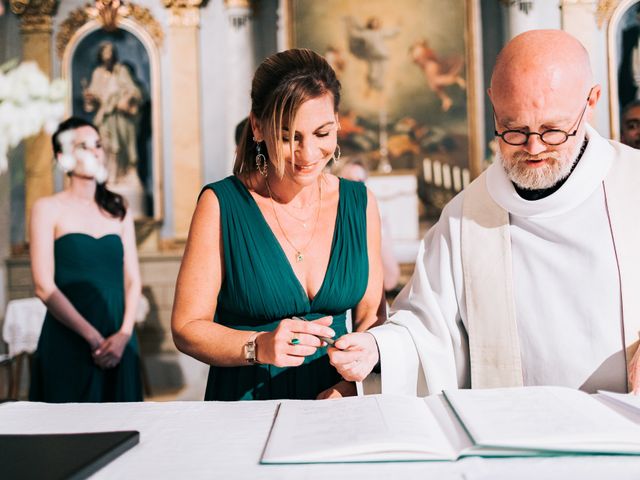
[110, 351]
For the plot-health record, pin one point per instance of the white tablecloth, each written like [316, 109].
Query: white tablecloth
[22, 325]
[217, 440]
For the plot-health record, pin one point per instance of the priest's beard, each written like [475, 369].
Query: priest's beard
[557, 167]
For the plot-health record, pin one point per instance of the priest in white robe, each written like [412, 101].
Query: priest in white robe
[532, 274]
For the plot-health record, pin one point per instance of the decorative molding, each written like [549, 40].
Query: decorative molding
[145, 18]
[83, 15]
[33, 7]
[245, 4]
[184, 13]
[239, 12]
[184, 3]
[604, 11]
[108, 13]
[76, 19]
[35, 15]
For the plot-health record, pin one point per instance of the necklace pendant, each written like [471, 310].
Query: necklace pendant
[299, 257]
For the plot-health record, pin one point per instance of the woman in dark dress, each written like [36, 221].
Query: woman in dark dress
[85, 269]
[278, 252]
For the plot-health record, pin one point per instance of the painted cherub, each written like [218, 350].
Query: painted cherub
[439, 73]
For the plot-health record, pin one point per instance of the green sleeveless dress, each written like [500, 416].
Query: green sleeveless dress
[260, 289]
[89, 271]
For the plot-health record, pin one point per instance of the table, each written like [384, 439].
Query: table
[22, 325]
[397, 192]
[207, 440]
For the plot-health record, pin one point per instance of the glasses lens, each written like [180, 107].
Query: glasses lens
[514, 137]
[554, 137]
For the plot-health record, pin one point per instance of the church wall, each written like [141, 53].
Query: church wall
[217, 142]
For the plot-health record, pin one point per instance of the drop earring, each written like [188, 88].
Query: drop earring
[261, 160]
[336, 157]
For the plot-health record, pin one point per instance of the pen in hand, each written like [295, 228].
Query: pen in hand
[327, 340]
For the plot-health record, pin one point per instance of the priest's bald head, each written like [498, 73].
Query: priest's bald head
[542, 94]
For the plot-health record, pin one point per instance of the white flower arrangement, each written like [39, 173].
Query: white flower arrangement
[28, 103]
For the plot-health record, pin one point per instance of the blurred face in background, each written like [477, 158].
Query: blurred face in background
[88, 152]
[355, 172]
[630, 129]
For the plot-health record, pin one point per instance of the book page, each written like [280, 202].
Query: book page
[449, 423]
[370, 428]
[544, 418]
[458, 436]
[626, 404]
[628, 400]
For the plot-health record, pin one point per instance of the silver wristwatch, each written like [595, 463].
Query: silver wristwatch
[251, 349]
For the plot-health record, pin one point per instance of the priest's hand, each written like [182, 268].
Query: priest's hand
[339, 390]
[354, 355]
[634, 373]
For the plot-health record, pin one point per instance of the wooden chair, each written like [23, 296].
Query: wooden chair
[6, 367]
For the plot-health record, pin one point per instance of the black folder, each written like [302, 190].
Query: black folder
[61, 455]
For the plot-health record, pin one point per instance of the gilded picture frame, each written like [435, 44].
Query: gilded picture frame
[411, 85]
[131, 133]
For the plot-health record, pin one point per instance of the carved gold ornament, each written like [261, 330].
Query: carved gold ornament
[35, 15]
[184, 13]
[108, 14]
[605, 10]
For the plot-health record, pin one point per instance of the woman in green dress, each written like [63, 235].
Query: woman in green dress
[278, 252]
[85, 269]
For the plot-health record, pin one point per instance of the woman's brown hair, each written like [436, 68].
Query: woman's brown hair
[282, 83]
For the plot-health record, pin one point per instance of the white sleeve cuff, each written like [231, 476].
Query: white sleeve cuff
[399, 361]
[370, 385]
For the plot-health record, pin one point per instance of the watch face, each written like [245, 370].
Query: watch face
[250, 352]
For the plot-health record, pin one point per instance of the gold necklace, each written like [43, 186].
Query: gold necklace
[299, 251]
[303, 221]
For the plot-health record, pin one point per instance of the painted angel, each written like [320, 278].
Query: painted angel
[439, 72]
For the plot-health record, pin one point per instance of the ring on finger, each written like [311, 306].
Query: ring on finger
[294, 340]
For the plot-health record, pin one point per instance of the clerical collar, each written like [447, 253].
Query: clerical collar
[586, 178]
[532, 195]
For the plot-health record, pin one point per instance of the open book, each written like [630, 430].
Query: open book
[497, 422]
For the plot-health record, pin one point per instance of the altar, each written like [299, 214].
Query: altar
[225, 440]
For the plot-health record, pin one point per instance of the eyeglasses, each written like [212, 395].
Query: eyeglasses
[551, 137]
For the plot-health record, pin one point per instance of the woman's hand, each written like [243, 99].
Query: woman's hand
[109, 354]
[292, 340]
[339, 390]
[94, 339]
[354, 355]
